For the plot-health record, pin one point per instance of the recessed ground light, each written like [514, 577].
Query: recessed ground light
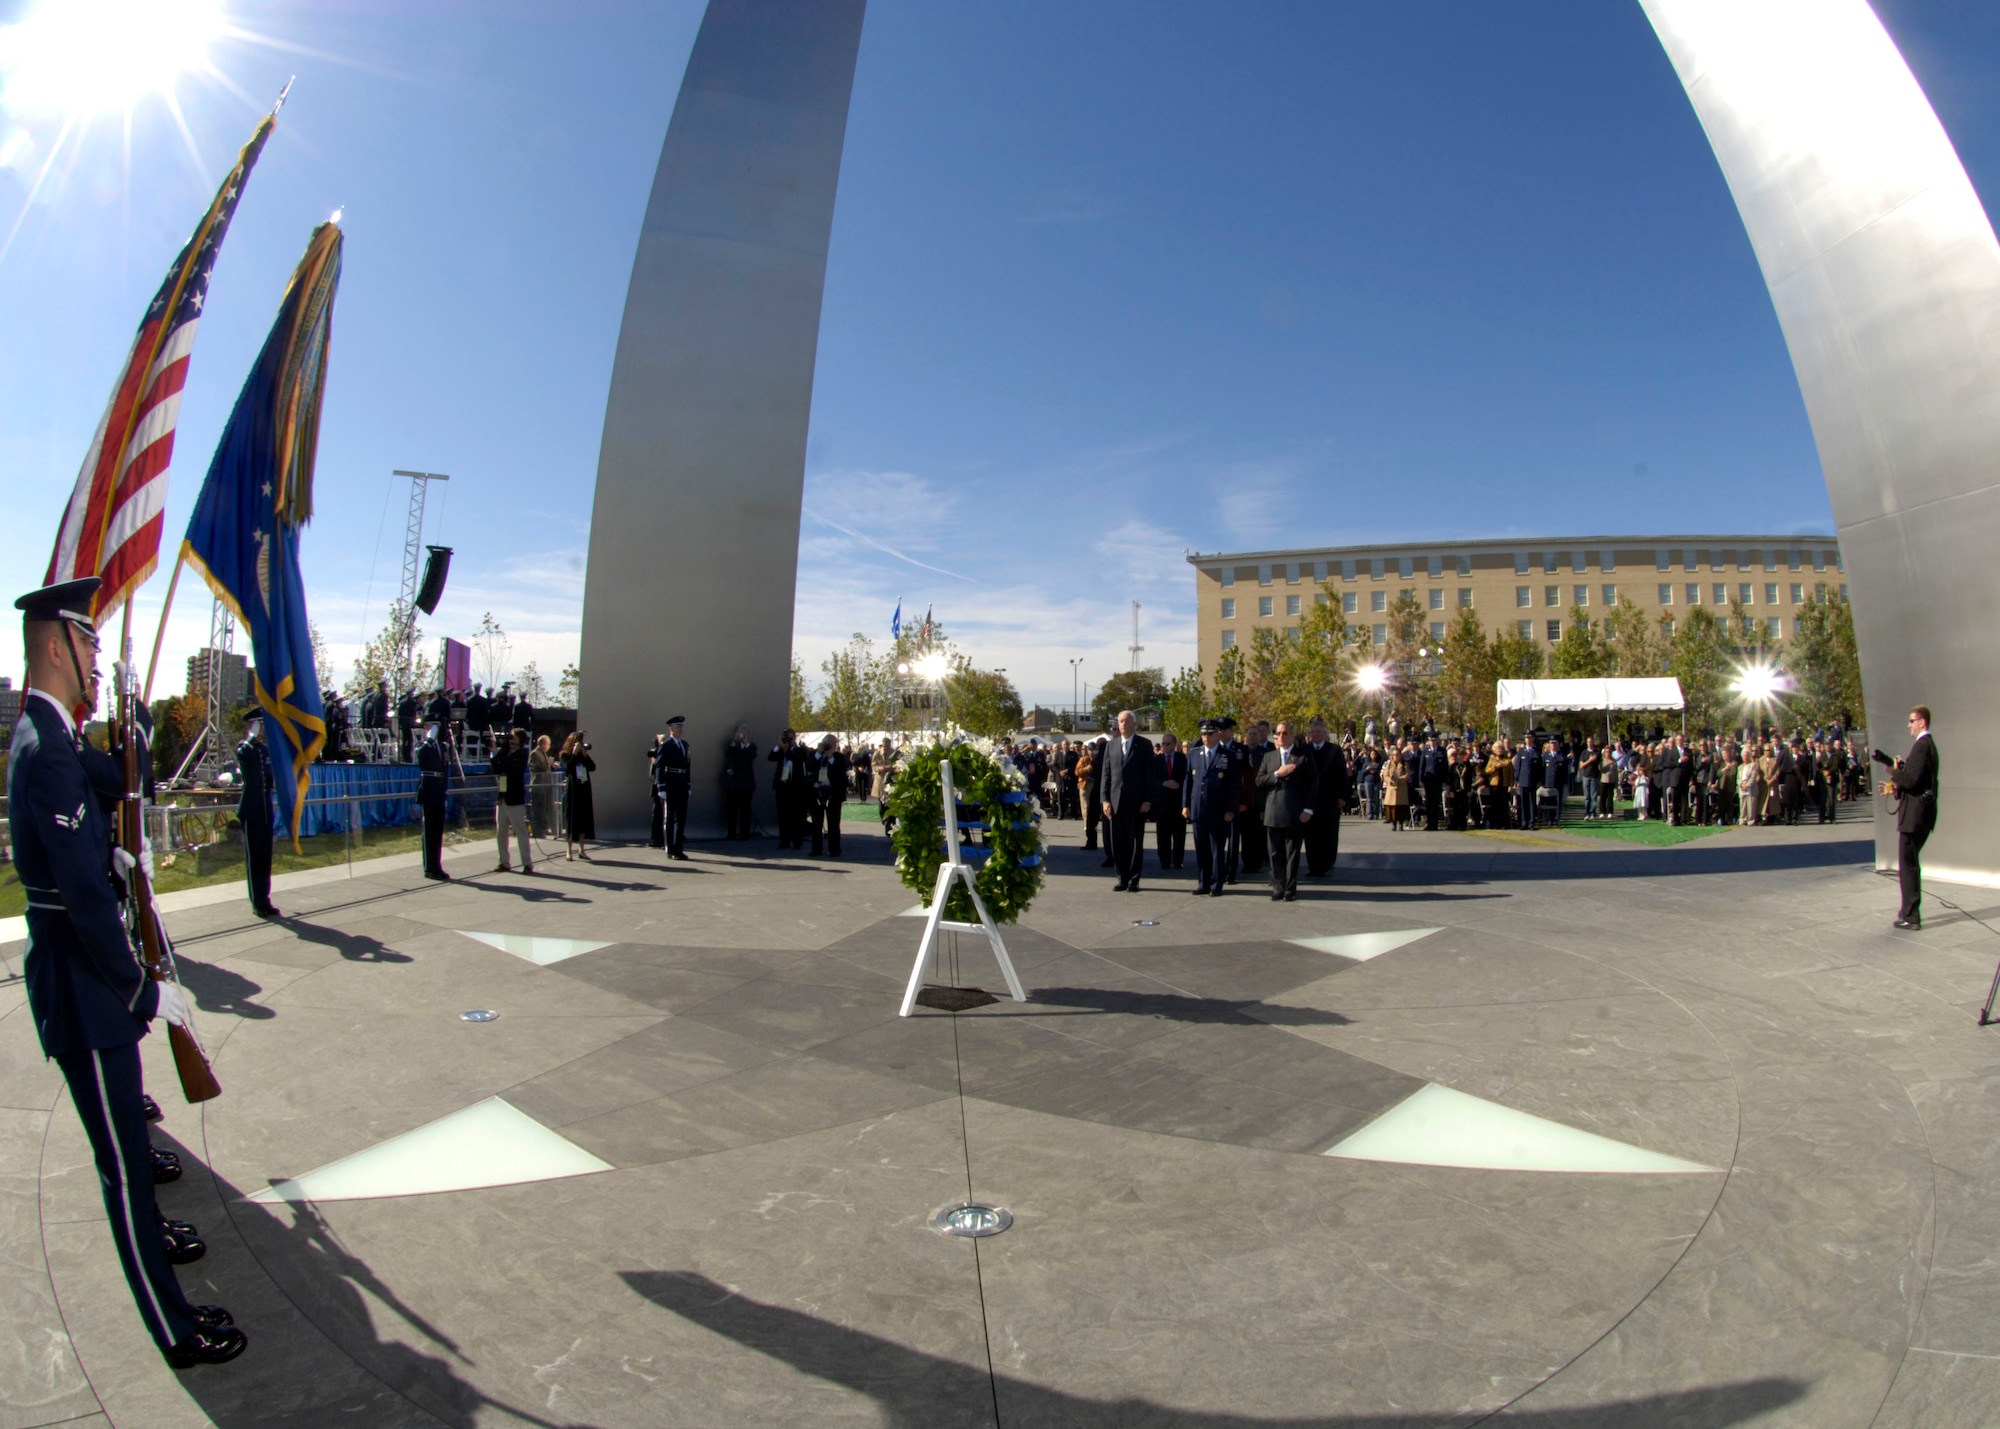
[479, 1014]
[1145, 922]
[971, 1220]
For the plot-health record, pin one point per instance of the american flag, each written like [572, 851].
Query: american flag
[112, 526]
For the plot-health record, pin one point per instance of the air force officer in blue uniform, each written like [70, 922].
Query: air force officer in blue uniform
[1208, 801]
[90, 999]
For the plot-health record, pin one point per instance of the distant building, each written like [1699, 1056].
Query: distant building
[10, 703]
[1527, 586]
[235, 670]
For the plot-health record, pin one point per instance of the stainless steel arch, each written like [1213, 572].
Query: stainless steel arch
[1880, 260]
[1885, 273]
[694, 530]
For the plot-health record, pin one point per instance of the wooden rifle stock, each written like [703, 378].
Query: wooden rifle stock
[198, 1081]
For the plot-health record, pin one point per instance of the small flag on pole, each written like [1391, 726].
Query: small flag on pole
[111, 528]
[244, 535]
[896, 623]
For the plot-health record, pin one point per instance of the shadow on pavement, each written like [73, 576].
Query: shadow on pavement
[355, 947]
[911, 1386]
[1176, 1007]
[218, 989]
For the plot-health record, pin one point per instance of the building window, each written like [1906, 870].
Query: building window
[1263, 575]
[1611, 597]
[1843, 594]
[1721, 594]
[1465, 597]
[1465, 565]
[1798, 594]
[1381, 634]
[1264, 605]
[1770, 592]
[1666, 595]
[1378, 600]
[1551, 563]
[1746, 593]
[1229, 575]
[1520, 563]
[1320, 599]
[1525, 628]
[1347, 569]
[1819, 560]
[1291, 632]
[1792, 560]
[1582, 595]
[1350, 602]
[1228, 639]
[1291, 605]
[1555, 631]
[1667, 625]
[1693, 560]
[1774, 627]
[1819, 590]
[1552, 595]
[1406, 594]
[1608, 562]
[1437, 598]
[1664, 559]
[1375, 568]
[1436, 566]
[1770, 560]
[1293, 572]
[1229, 607]
[1524, 596]
[1437, 632]
[1694, 593]
[1406, 566]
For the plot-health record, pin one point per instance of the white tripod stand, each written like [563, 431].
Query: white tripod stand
[954, 868]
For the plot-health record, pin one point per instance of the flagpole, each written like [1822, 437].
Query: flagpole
[160, 635]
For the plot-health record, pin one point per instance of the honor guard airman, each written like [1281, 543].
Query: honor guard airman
[672, 776]
[90, 999]
[253, 811]
[433, 780]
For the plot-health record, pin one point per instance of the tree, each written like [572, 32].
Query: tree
[1227, 696]
[1413, 687]
[857, 688]
[1133, 690]
[530, 686]
[801, 715]
[322, 662]
[381, 658]
[1826, 664]
[1312, 675]
[569, 689]
[1582, 653]
[1186, 704]
[1516, 657]
[489, 652]
[982, 702]
[1700, 659]
[177, 722]
[1640, 646]
[1466, 688]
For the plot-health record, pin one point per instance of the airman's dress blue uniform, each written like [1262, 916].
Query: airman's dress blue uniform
[1209, 797]
[90, 999]
[434, 772]
[253, 810]
[673, 774]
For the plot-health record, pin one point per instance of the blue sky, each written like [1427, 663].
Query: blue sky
[1108, 281]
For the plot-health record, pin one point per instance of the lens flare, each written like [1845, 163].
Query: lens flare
[1371, 677]
[1759, 684]
[76, 58]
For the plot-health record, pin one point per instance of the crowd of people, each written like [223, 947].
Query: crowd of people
[390, 726]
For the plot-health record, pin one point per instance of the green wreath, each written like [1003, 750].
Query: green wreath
[1011, 875]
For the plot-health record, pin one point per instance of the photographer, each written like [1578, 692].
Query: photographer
[579, 814]
[792, 785]
[739, 782]
[832, 773]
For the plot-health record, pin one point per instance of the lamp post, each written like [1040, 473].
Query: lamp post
[1074, 666]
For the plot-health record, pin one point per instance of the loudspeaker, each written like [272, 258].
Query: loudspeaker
[435, 570]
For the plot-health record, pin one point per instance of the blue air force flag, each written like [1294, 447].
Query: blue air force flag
[244, 535]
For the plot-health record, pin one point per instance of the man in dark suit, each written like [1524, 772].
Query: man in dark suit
[433, 780]
[1125, 795]
[1170, 825]
[1527, 777]
[478, 714]
[1329, 762]
[832, 774]
[1208, 801]
[1670, 770]
[1251, 846]
[1289, 784]
[1913, 782]
[1431, 763]
[791, 783]
[253, 812]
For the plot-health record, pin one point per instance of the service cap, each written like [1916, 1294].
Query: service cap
[673, 720]
[1211, 726]
[69, 600]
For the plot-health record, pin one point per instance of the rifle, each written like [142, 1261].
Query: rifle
[156, 950]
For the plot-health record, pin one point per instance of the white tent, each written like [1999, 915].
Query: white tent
[1662, 693]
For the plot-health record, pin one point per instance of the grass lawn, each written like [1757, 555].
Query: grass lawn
[1652, 833]
[223, 862]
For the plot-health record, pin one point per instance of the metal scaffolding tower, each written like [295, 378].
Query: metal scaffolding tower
[403, 676]
[1136, 646]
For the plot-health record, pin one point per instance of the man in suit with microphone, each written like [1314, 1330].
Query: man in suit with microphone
[1913, 782]
[1125, 790]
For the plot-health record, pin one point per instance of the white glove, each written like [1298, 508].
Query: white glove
[173, 1005]
[122, 863]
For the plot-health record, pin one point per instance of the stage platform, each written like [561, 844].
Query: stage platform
[1541, 1129]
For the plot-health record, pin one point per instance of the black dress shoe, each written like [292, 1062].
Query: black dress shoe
[1215, 893]
[1277, 898]
[184, 1249]
[179, 1227]
[211, 1317]
[1291, 897]
[1912, 924]
[1202, 891]
[218, 1346]
[1119, 887]
[166, 1167]
[1133, 886]
[267, 912]
[152, 1108]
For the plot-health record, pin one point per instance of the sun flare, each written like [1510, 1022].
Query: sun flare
[77, 58]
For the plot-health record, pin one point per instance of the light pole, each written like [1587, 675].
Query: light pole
[1074, 666]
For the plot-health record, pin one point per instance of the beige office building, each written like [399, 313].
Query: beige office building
[1527, 585]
